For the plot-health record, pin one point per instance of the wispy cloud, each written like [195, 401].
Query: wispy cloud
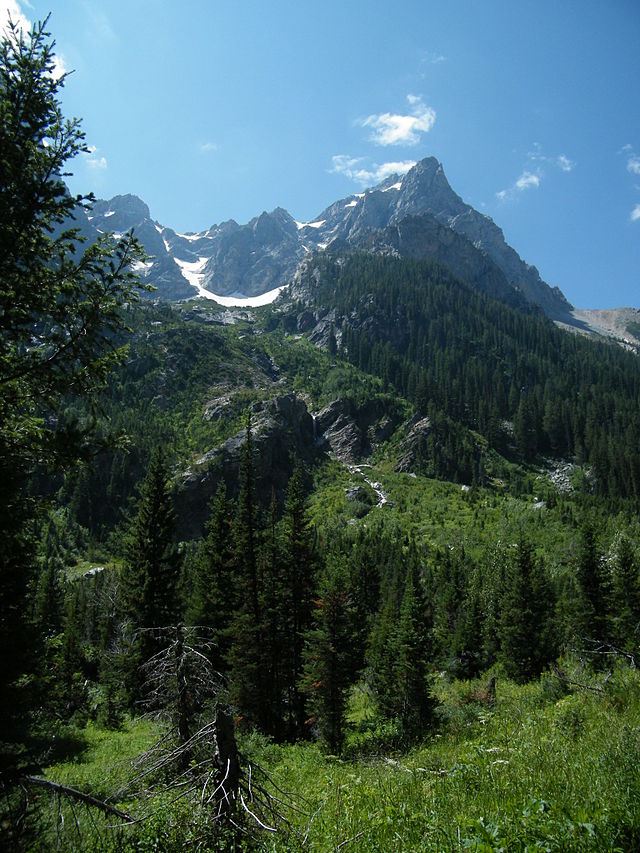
[533, 171]
[526, 181]
[633, 164]
[633, 167]
[564, 163]
[99, 23]
[561, 161]
[401, 128]
[95, 161]
[206, 147]
[358, 170]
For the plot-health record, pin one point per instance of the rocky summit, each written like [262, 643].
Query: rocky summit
[417, 215]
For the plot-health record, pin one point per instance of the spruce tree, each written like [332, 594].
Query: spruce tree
[212, 601]
[150, 572]
[412, 651]
[299, 582]
[526, 613]
[328, 652]
[246, 662]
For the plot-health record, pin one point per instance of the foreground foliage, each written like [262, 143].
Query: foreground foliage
[548, 766]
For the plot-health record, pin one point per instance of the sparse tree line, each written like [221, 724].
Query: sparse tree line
[296, 617]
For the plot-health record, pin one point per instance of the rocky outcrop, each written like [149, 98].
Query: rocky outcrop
[412, 446]
[353, 432]
[282, 431]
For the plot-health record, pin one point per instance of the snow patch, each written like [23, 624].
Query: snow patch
[109, 213]
[167, 246]
[193, 271]
[241, 301]
[393, 187]
[317, 224]
[142, 267]
[190, 237]
[158, 228]
[351, 203]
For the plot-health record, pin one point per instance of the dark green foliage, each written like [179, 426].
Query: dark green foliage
[61, 314]
[213, 595]
[401, 652]
[591, 602]
[526, 614]
[299, 562]
[247, 674]
[485, 366]
[150, 573]
[625, 593]
[328, 652]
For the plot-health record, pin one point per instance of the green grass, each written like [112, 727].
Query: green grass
[532, 773]
[541, 769]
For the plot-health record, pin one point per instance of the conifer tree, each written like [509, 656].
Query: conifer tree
[212, 601]
[246, 661]
[299, 581]
[328, 652]
[591, 604]
[625, 593]
[412, 651]
[60, 318]
[150, 572]
[526, 610]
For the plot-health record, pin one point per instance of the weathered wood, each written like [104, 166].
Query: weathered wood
[74, 794]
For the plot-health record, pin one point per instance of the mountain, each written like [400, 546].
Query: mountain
[417, 215]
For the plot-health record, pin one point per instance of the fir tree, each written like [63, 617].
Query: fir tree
[299, 581]
[526, 610]
[246, 662]
[328, 653]
[150, 572]
[212, 600]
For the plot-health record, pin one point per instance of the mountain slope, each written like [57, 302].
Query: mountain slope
[418, 215]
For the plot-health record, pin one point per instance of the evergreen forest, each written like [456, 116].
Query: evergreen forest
[358, 570]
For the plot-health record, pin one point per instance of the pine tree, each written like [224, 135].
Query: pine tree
[625, 593]
[213, 595]
[526, 611]
[328, 653]
[150, 572]
[412, 650]
[299, 581]
[60, 319]
[591, 605]
[246, 663]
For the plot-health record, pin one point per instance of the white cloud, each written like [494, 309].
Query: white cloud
[11, 9]
[398, 129]
[635, 213]
[526, 181]
[205, 147]
[355, 169]
[561, 160]
[94, 161]
[633, 164]
[564, 163]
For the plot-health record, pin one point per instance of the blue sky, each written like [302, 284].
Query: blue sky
[214, 110]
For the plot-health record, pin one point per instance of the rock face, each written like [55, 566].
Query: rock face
[424, 238]
[282, 431]
[417, 215]
[353, 432]
[419, 430]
